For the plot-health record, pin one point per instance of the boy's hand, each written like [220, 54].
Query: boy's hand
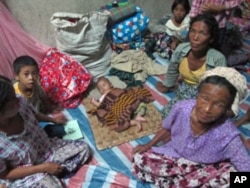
[60, 119]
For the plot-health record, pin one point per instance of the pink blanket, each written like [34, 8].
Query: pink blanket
[15, 42]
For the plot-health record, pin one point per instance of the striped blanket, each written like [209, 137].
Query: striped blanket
[119, 105]
[111, 168]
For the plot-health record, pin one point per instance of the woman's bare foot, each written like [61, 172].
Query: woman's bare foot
[160, 87]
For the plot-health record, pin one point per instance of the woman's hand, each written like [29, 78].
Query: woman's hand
[21, 172]
[53, 168]
[162, 135]
[141, 148]
[212, 8]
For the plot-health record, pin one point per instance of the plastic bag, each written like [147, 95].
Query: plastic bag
[63, 78]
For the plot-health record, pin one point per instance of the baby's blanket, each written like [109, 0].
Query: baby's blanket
[119, 105]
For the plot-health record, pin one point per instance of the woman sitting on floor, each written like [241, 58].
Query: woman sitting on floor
[28, 158]
[202, 144]
[190, 60]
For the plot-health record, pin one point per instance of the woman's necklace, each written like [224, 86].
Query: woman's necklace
[201, 132]
[196, 134]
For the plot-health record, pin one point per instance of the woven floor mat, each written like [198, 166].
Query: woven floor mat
[105, 138]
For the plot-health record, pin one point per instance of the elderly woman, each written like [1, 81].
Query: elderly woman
[190, 60]
[28, 158]
[239, 81]
[202, 145]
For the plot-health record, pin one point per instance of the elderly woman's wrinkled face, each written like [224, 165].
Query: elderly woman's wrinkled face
[212, 102]
[199, 36]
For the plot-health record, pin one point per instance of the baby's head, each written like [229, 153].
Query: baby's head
[174, 42]
[103, 85]
[27, 71]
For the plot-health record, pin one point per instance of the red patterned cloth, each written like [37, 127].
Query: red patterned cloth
[63, 78]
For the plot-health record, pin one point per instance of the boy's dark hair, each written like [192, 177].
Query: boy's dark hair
[212, 25]
[184, 3]
[219, 81]
[5, 89]
[23, 61]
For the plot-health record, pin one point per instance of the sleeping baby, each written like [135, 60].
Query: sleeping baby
[121, 108]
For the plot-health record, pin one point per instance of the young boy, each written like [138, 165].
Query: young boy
[27, 85]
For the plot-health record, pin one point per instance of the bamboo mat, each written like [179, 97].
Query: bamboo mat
[105, 138]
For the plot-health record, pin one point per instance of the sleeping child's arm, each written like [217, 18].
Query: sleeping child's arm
[95, 102]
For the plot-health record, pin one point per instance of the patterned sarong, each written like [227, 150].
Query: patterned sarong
[164, 171]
